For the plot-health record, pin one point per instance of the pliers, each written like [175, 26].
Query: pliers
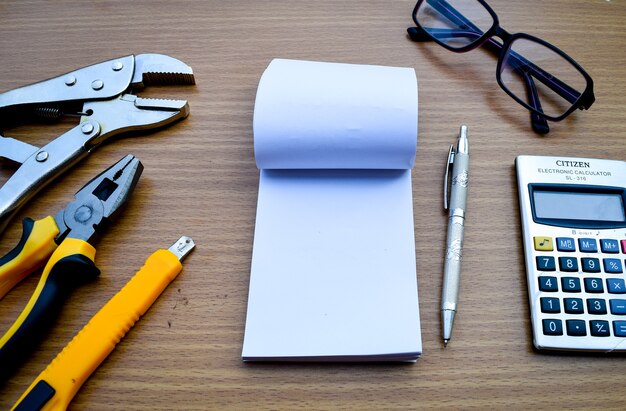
[101, 95]
[62, 240]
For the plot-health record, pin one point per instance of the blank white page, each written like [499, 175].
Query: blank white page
[333, 267]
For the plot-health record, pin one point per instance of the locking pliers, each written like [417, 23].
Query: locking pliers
[108, 109]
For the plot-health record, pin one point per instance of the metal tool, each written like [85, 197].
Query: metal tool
[63, 240]
[101, 95]
[55, 387]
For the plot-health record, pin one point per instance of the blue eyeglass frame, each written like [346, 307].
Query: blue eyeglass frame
[526, 68]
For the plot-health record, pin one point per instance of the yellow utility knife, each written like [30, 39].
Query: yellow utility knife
[55, 387]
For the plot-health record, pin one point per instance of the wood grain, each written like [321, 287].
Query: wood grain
[200, 179]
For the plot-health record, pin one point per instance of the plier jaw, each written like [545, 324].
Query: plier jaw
[99, 202]
[108, 110]
[154, 69]
[128, 113]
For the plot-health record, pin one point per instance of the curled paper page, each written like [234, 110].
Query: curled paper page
[314, 115]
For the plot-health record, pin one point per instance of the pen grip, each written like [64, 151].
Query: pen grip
[452, 263]
[62, 379]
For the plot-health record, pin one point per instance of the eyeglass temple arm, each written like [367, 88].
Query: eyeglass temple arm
[452, 14]
[538, 122]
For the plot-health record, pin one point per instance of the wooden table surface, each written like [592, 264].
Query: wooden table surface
[200, 179]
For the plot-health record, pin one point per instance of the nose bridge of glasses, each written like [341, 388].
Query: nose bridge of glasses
[502, 34]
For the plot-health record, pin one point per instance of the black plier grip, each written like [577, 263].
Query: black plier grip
[35, 247]
[71, 264]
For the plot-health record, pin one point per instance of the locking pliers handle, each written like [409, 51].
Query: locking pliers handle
[43, 167]
[96, 82]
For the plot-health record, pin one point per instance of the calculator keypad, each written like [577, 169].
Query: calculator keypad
[582, 286]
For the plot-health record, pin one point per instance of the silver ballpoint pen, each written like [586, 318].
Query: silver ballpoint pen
[458, 181]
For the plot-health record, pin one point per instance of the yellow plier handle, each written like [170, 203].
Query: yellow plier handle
[55, 387]
[35, 246]
[71, 264]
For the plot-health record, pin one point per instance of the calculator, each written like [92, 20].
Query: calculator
[574, 229]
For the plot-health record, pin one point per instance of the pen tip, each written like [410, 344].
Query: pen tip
[445, 342]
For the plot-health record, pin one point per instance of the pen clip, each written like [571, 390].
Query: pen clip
[446, 178]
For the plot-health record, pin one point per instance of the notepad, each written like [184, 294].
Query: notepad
[333, 274]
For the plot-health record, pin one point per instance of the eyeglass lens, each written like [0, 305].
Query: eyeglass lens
[541, 77]
[456, 23]
[535, 75]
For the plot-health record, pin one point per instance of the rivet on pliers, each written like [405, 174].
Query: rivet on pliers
[70, 80]
[87, 128]
[42, 156]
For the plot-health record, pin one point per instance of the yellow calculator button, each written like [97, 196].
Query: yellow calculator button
[543, 243]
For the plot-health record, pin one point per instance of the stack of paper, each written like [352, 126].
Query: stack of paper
[333, 266]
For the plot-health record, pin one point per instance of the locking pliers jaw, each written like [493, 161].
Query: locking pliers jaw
[108, 109]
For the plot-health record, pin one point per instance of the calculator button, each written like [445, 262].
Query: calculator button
[619, 328]
[570, 284]
[568, 264]
[594, 285]
[548, 284]
[550, 305]
[591, 265]
[599, 328]
[555, 327]
[616, 285]
[576, 328]
[618, 307]
[543, 243]
[609, 246]
[565, 244]
[596, 306]
[624, 246]
[612, 265]
[546, 263]
[588, 245]
[573, 305]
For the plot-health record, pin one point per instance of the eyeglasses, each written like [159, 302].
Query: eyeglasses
[532, 71]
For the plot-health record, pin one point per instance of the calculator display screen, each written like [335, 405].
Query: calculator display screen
[563, 205]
